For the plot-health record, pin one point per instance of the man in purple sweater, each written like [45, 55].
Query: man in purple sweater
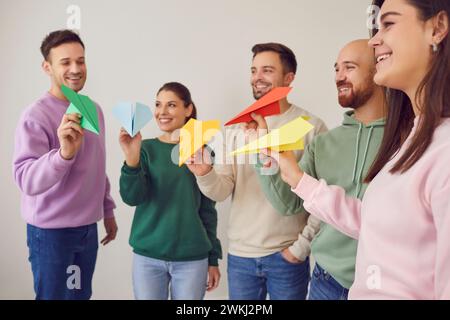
[61, 171]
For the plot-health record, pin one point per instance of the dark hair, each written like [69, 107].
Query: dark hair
[287, 57]
[435, 88]
[183, 93]
[57, 38]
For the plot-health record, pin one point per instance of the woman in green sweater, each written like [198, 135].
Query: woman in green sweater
[173, 234]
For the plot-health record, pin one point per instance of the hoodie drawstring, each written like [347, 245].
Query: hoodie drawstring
[359, 182]
[358, 137]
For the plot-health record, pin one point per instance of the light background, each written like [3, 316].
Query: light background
[133, 47]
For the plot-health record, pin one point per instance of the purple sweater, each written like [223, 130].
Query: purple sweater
[58, 193]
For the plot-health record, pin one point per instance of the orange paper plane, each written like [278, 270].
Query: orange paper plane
[268, 105]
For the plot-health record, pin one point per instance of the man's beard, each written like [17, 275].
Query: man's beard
[258, 94]
[358, 98]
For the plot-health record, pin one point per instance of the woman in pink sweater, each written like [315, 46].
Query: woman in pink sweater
[403, 222]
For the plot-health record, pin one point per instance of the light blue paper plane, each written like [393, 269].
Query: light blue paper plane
[132, 116]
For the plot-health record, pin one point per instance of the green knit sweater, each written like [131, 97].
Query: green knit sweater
[173, 220]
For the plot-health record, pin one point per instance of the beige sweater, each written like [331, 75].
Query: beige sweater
[255, 229]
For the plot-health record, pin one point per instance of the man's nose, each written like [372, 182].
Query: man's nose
[75, 68]
[340, 76]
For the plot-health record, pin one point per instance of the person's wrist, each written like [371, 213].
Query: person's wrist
[295, 178]
[205, 172]
[132, 163]
[65, 155]
[289, 256]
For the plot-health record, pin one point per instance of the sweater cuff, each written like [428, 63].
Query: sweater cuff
[108, 214]
[306, 187]
[258, 165]
[130, 170]
[213, 262]
[59, 163]
[298, 252]
[208, 179]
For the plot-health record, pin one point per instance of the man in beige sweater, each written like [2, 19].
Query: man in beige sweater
[263, 245]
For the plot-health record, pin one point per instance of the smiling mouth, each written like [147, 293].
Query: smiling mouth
[74, 78]
[261, 86]
[164, 120]
[383, 57]
[344, 89]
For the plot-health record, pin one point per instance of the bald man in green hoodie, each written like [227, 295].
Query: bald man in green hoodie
[342, 157]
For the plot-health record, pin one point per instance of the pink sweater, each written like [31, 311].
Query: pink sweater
[403, 225]
[58, 193]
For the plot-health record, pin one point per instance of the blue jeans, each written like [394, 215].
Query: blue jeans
[324, 287]
[254, 278]
[62, 261]
[151, 279]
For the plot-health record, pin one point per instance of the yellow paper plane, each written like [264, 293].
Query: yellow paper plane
[288, 137]
[194, 135]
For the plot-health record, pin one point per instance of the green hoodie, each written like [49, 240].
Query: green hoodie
[341, 157]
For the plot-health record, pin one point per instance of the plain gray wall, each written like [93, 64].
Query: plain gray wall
[133, 47]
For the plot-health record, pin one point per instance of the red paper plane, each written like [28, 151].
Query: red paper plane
[268, 105]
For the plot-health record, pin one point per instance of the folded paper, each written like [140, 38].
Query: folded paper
[194, 135]
[286, 138]
[267, 105]
[132, 116]
[84, 106]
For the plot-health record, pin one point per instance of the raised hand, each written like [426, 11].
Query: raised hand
[291, 173]
[131, 147]
[70, 135]
[200, 163]
[255, 128]
[258, 123]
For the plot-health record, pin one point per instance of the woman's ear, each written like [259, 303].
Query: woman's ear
[189, 110]
[441, 27]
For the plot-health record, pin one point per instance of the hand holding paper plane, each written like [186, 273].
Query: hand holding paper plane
[133, 117]
[84, 106]
[268, 105]
[288, 137]
[194, 135]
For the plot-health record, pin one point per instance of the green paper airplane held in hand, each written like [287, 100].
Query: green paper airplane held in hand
[84, 106]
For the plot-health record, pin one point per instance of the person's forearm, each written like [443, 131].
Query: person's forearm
[279, 193]
[330, 204]
[36, 176]
[302, 247]
[108, 202]
[215, 186]
[293, 177]
[134, 186]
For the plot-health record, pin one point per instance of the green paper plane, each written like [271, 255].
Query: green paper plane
[84, 106]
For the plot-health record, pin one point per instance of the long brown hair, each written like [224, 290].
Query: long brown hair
[183, 93]
[435, 88]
